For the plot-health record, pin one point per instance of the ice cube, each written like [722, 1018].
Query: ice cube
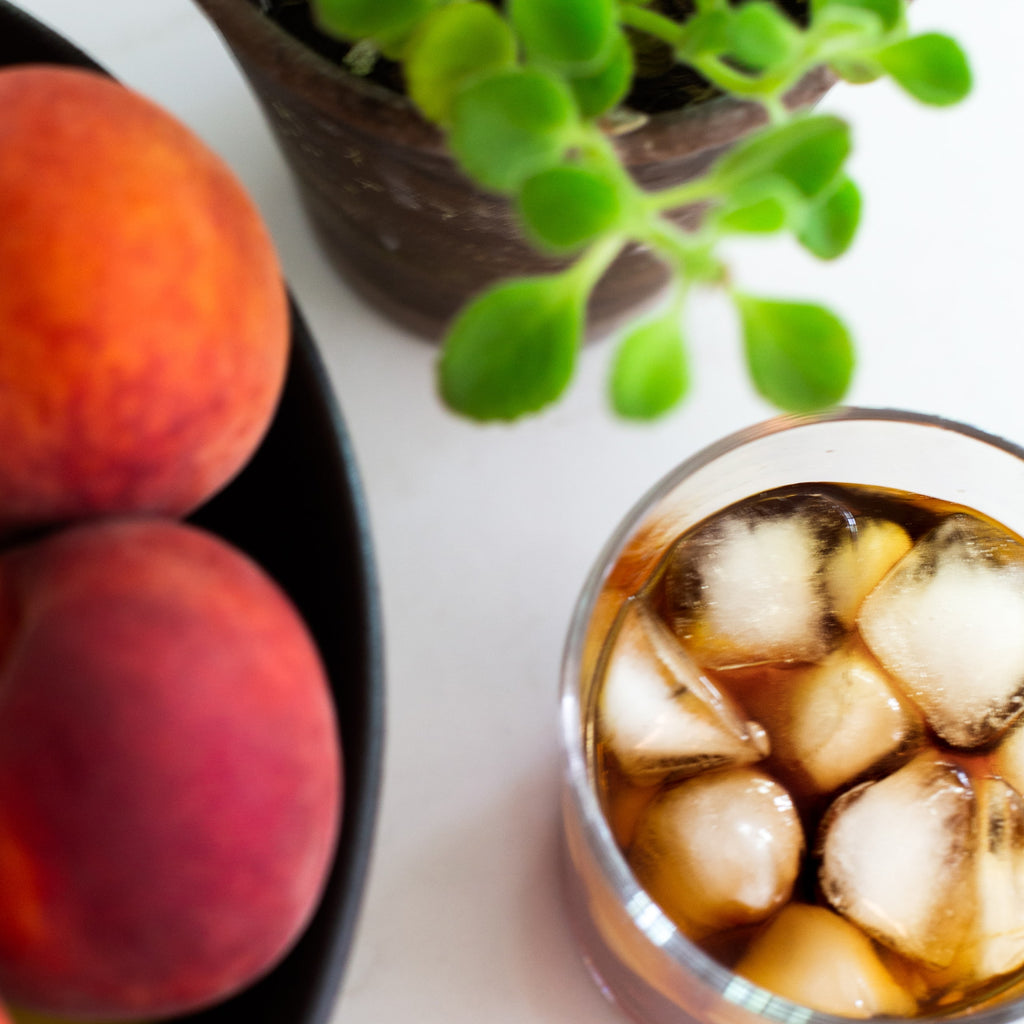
[860, 562]
[896, 859]
[1008, 758]
[719, 850]
[830, 723]
[814, 957]
[994, 943]
[750, 586]
[948, 623]
[658, 714]
[999, 922]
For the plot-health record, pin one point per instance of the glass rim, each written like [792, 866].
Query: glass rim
[644, 913]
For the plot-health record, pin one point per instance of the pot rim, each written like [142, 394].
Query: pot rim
[268, 50]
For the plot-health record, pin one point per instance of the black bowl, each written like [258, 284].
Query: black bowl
[298, 509]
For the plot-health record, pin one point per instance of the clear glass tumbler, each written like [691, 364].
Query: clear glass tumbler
[636, 954]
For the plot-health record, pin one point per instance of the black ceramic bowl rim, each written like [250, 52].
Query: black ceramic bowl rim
[313, 536]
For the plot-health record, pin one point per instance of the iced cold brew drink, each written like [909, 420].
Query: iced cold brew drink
[800, 713]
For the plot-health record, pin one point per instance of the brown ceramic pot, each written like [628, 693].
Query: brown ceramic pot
[393, 213]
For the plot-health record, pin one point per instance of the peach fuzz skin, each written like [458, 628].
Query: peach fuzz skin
[143, 316]
[170, 776]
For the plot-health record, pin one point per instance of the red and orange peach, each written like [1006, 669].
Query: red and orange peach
[170, 772]
[143, 317]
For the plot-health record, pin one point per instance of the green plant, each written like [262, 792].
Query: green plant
[524, 91]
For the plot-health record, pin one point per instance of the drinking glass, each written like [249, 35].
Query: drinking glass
[638, 957]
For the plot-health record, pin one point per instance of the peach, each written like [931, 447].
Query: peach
[170, 773]
[143, 316]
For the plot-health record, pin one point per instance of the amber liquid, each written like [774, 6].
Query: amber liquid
[624, 800]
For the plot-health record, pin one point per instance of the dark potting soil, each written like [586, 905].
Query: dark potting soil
[659, 83]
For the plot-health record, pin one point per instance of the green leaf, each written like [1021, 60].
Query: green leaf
[382, 20]
[452, 46]
[930, 67]
[832, 223]
[567, 34]
[762, 206]
[598, 92]
[890, 13]
[808, 152]
[511, 124]
[512, 350]
[706, 32]
[566, 207]
[850, 33]
[650, 373]
[799, 355]
[762, 216]
[760, 36]
[856, 71]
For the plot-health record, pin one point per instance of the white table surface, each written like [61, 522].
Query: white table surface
[483, 535]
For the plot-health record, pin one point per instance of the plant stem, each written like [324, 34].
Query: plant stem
[690, 254]
[653, 23]
[699, 190]
[591, 265]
